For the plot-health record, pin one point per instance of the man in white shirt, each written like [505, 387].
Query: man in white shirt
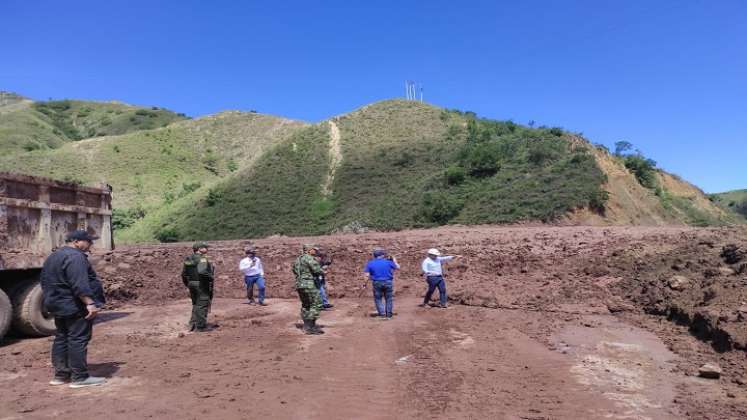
[251, 266]
[433, 272]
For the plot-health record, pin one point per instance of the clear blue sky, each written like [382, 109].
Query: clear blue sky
[668, 76]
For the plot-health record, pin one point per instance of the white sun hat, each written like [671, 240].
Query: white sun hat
[433, 251]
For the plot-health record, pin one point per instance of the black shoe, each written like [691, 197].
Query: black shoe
[306, 326]
[328, 305]
[313, 328]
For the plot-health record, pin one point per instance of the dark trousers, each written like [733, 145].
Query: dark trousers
[70, 347]
[433, 283]
[250, 281]
[311, 303]
[200, 296]
[383, 292]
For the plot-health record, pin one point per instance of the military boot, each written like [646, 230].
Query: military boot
[315, 329]
[306, 326]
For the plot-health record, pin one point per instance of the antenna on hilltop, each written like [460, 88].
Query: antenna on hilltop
[411, 91]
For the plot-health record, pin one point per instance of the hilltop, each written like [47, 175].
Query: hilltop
[733, 201]
[389, 165]
[26, 125]
[401, 164]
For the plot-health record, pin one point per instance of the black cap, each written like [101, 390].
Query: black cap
[80, 235]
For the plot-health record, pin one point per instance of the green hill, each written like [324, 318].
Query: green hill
[395, 164]
[26, 125]
[390, 165]
[150, 168]
[732, 201]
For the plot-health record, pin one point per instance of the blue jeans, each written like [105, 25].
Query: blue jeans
[323, 290]
[433, 283]
[250, 281]
[383, 290]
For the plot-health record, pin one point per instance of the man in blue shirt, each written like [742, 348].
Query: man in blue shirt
[381, 272]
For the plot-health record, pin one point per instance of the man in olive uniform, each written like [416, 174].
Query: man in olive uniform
[198, 274]
[307, 268]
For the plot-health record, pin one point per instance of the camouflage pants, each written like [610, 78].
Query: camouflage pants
[200, 296]
[311, 303]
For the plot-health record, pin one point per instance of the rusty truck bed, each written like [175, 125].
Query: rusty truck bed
[36, 213]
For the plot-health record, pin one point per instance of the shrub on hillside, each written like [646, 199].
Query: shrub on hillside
[455, 175]
[213, 197]
[167, 234]
[440, 207]
[124, 218]
[644, 169]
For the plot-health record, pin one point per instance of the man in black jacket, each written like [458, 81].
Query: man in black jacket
[72, 294]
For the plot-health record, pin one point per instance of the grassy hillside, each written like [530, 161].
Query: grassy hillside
[279, 194]
[732, 201]
[152, 167]
[26, 125]
[403, 164]
[391, 165]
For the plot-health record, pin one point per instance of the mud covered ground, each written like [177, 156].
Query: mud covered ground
[544, 323]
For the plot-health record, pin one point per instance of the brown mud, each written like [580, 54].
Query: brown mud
[544, 323]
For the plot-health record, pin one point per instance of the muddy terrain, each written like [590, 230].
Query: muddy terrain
[544, 323]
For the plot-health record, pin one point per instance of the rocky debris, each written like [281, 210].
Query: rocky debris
[732, 254]
[678, 282]
[710, 371]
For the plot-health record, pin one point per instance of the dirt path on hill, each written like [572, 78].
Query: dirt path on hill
[335, 157]
[461, 362]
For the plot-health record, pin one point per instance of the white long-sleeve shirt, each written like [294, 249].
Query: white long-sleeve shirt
[251, 267]
[433, 267]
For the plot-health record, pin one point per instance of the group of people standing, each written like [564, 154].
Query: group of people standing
[310, 272]
[73, 294]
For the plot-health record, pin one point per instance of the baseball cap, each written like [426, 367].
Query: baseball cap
[80, 235]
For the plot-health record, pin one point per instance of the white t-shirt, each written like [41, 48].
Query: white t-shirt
[433, 267]
[251, 267]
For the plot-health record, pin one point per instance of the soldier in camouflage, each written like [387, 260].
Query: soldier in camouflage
[306, 269]
[198, 274]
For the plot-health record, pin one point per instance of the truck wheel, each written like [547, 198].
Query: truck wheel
[29, 317]
[6, 314]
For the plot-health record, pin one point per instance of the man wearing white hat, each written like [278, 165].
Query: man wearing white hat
[433, 272]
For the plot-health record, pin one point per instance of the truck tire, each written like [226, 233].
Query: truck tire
[6, 314]
[29, 317]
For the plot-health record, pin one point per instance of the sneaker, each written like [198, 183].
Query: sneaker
[423, 305]
[328, 305]
[250, 302]
[443, 305]
[89, 381]
[59, 381]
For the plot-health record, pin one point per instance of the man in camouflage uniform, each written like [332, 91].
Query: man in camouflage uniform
[198, 274]
[306, 269]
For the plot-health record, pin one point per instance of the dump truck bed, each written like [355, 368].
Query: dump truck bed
[36, 213]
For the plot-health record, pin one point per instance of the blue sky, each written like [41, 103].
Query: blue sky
[668, 76]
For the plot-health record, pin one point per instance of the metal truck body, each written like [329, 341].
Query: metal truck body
[35, 215]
